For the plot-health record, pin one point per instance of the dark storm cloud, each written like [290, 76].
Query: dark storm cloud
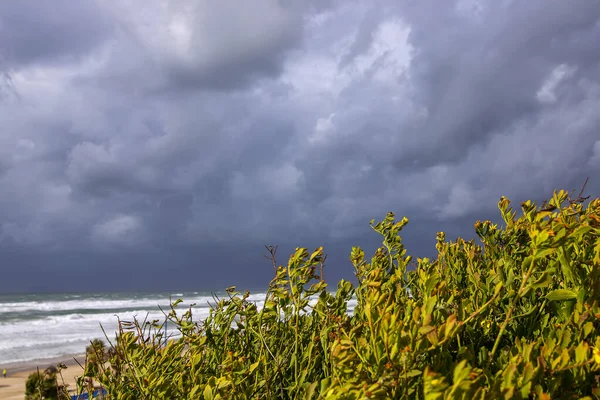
[37, 32]
[490, 92]
[185, 46]
[192, 133]
[479, 70]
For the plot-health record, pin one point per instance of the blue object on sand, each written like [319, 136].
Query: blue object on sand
[85, 396]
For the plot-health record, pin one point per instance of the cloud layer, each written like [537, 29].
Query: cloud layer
[194, 127]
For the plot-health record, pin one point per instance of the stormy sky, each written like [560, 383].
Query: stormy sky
[156, 145]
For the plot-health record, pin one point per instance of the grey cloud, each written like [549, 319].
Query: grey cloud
[472, 85]
[364, 34]
[191, 45]
[481, 75]
[291, 123]
[38, 32]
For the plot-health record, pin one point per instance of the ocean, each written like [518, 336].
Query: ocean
[47, 326]
[44, 326]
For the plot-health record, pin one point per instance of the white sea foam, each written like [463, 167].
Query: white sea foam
[46, 327]
[39, 327]
[94, 304]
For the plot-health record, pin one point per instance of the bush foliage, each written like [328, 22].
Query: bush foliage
[514, 315]
[43, 385]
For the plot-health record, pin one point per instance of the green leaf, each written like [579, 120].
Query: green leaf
[176, 302]
[413, 373]
[498, 288]
[581, 352]
[430, 305]
[543, 253]
[582, 230]
[310, 391]
[424, 330]
[461, 372]
[587, 329]
[325, 383]
[561, 295]
[208, 393]
[431, 282]
[253, 367]
[543, 281]
[527, 262]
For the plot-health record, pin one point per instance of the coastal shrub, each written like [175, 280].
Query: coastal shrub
[97, 352]
[514, 314]
[43, 385]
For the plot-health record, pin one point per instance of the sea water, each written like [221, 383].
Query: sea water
[40, 326]
[43, 326]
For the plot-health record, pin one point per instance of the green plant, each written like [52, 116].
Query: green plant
[514, 317]
[44, 385]
[97, 353]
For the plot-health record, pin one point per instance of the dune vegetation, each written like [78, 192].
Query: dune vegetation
[513, 314]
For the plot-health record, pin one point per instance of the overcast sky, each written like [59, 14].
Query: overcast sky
[160, 145]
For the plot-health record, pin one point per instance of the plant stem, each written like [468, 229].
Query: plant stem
[513, 303]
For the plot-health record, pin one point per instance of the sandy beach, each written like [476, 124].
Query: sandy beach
[13, 386]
